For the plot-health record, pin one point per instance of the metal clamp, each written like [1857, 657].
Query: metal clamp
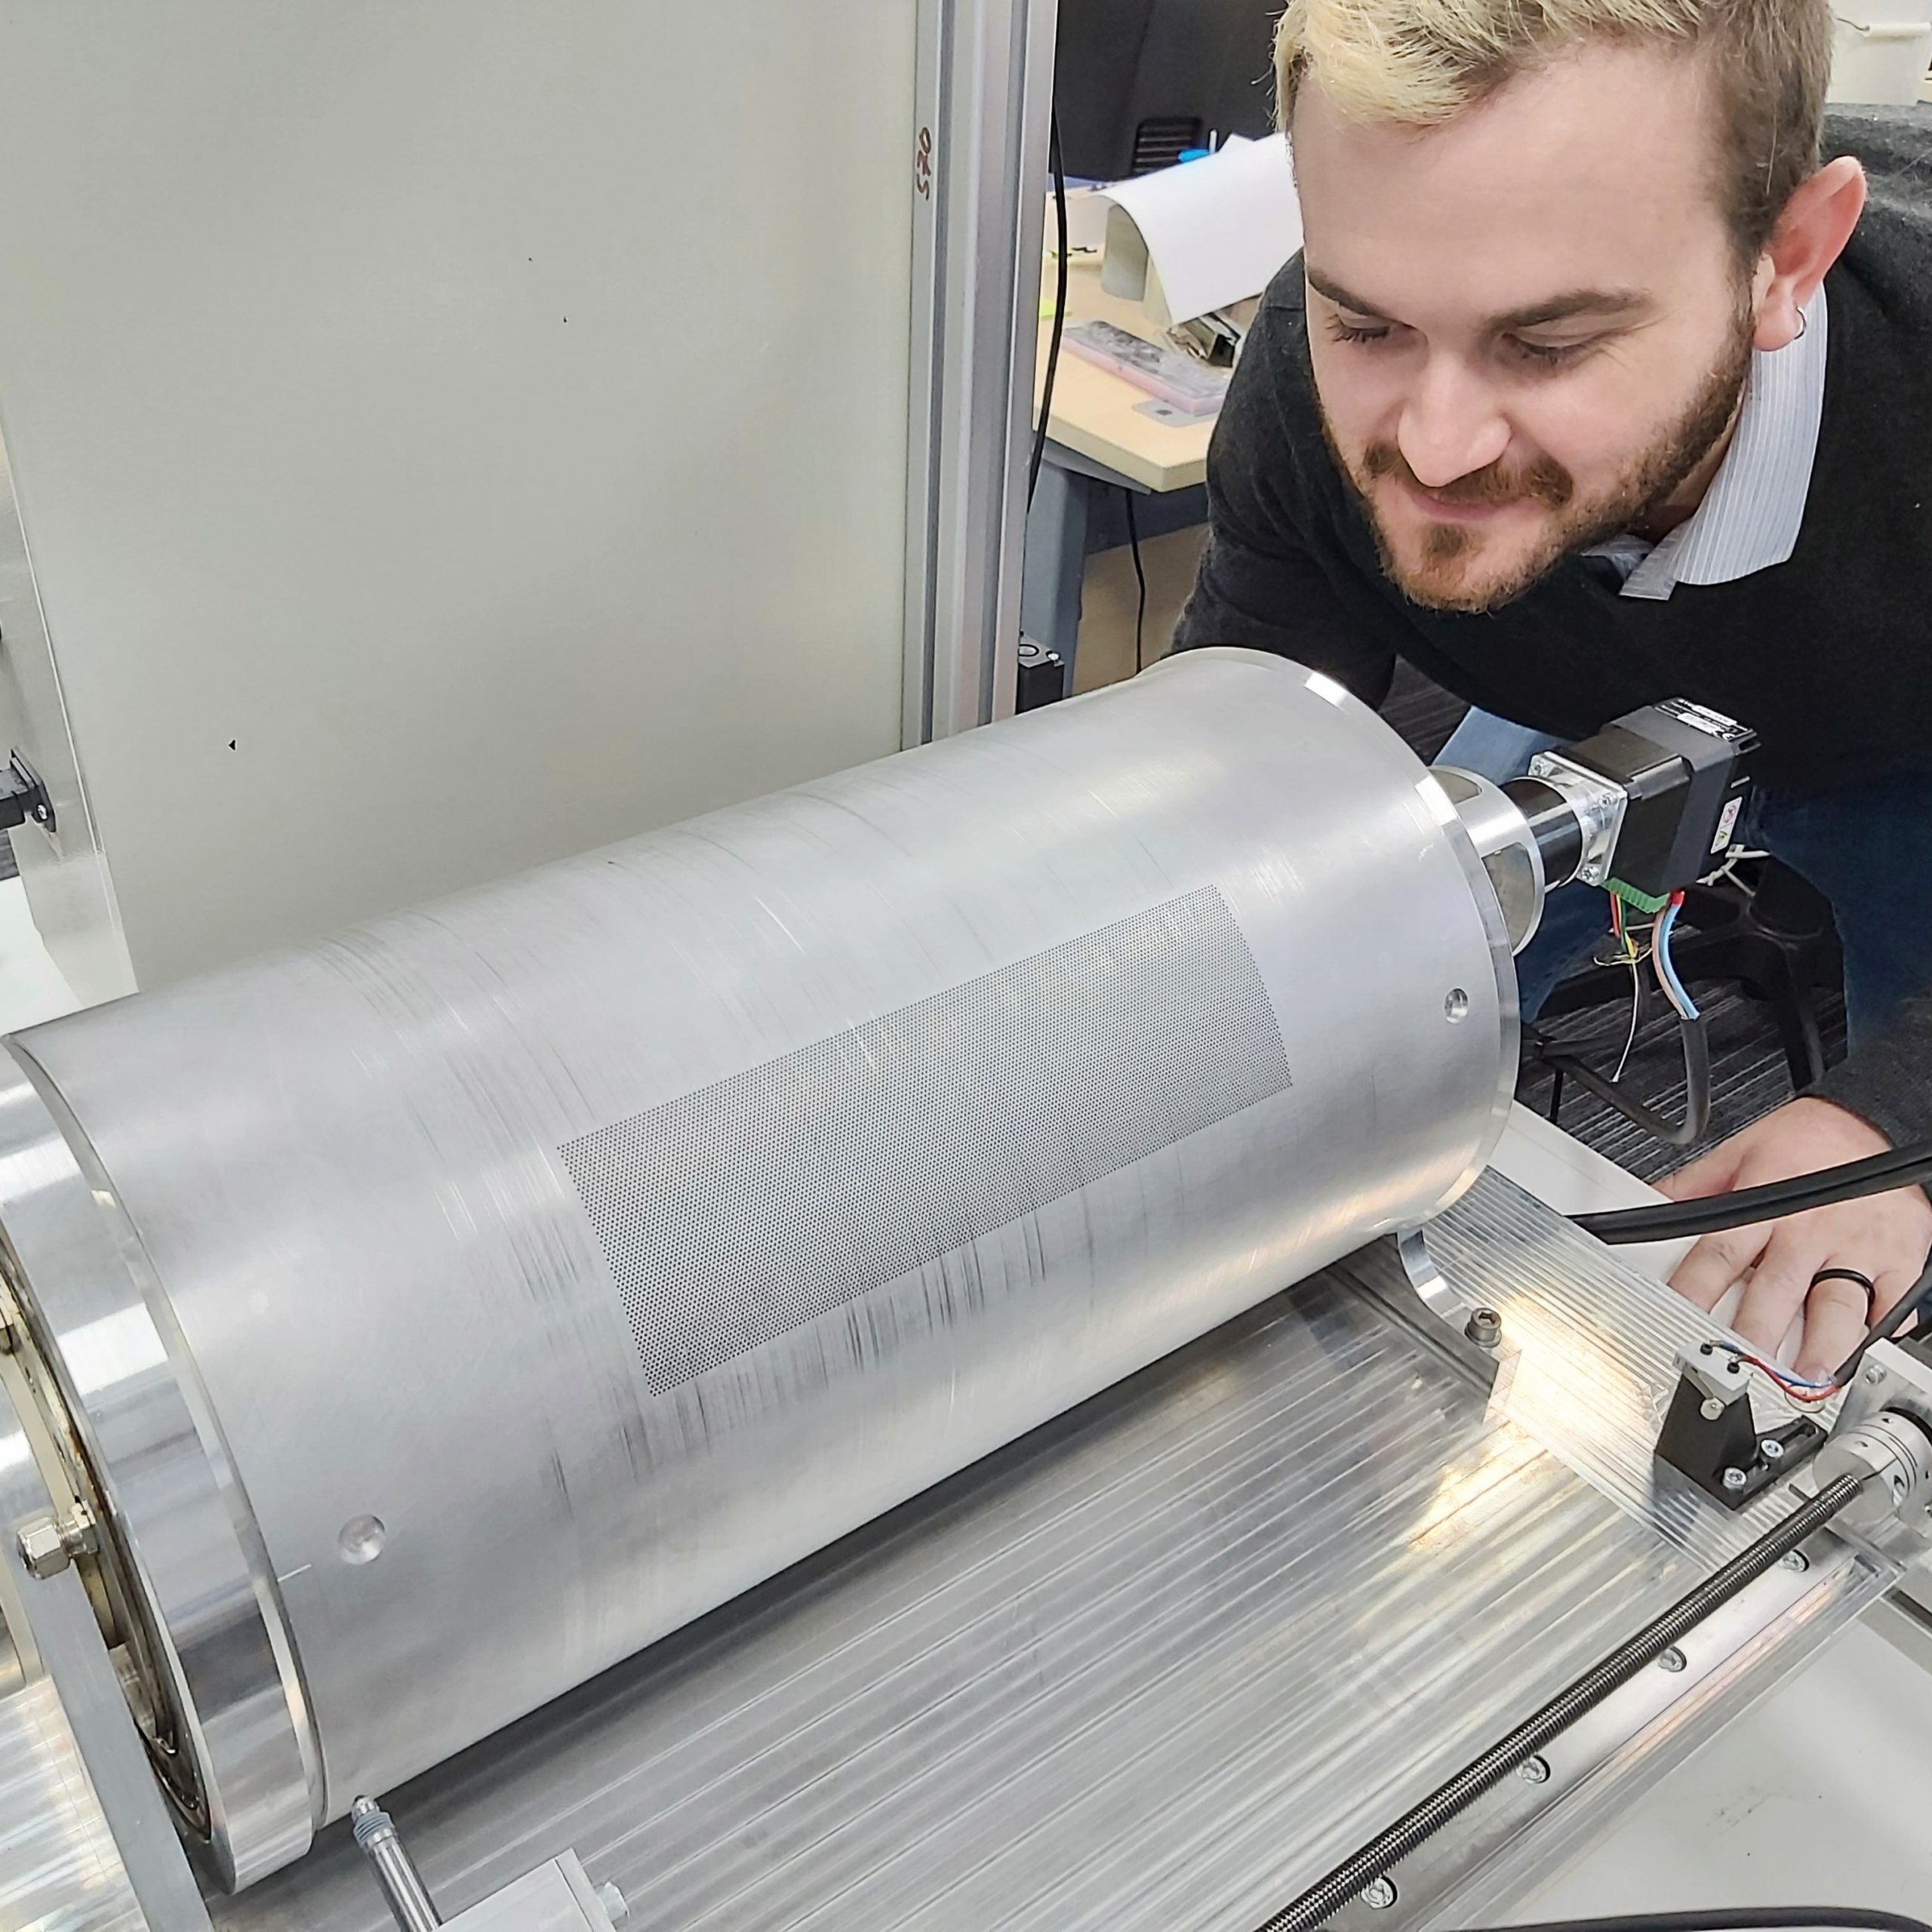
[1883, 1432]
[1710, 1432]
[1599, 805]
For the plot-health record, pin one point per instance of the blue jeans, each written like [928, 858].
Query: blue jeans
[1866, 846]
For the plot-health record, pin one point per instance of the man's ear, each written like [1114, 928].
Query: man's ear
[1811, 235]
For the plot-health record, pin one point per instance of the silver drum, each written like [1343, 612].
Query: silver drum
[448, 1310]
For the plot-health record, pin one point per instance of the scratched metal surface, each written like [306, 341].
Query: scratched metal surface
[1155, 1665]
[470, 1221]
[1594, 1344]
[59, 1870]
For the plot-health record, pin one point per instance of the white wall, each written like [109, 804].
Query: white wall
[448, 433]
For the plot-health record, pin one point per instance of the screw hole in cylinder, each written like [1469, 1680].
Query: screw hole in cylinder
[361, 1540]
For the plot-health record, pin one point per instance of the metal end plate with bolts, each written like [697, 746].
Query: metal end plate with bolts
[981, 1187]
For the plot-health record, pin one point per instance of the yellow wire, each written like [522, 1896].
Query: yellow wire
[1622, 931]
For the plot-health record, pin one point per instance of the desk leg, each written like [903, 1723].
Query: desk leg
[1058, 525]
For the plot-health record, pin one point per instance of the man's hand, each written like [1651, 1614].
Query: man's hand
[1885, 1237]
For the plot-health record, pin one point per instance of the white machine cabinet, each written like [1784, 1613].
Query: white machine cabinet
[449, 435]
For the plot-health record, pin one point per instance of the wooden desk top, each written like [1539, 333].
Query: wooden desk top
[1096, 414]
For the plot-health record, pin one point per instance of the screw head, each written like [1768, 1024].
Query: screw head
[49, 1543]
[1797, 1561]
[1673, 1660]
[44, 1551]
[1876, 1373]
[616, 1907]
[1533, 1771]
[1735, 1479]
[1456, 1006]
[1712, 1410]
[1771, 1449]
[1380, 1896]
[1485, 1328]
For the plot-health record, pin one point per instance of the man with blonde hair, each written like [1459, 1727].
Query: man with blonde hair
[1596, 385]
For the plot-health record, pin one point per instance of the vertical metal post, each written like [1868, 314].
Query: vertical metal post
[84, 1734]
[61, 864]
[979, 169]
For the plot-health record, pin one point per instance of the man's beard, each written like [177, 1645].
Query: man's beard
[1440, 581]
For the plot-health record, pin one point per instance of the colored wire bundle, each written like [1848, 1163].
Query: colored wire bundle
[1799, 1388]
[1636, 1021]
[1802, 1388]
[1666, 969]
[1690, 1030]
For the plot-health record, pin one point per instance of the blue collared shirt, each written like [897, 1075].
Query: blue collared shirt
[1750, 516]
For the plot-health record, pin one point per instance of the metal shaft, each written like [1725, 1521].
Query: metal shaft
[408, 1897]
[1553, 824]
[1354, 1874]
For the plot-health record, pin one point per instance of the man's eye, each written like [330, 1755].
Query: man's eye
[1545, 355]
[1341, 331]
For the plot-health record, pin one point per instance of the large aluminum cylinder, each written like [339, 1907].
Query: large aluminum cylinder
[451, 1309]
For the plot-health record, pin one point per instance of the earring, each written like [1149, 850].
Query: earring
[1804, 323]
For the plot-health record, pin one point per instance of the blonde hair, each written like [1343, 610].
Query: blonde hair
[1421, 63]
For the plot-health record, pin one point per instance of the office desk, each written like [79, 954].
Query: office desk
[1100, 449]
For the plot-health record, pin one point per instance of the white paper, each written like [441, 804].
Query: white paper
[1206, 234]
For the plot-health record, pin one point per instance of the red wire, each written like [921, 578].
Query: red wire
[1797, 1392]
[1624, 938]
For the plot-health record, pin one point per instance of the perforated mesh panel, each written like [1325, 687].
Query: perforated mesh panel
[742, 1210]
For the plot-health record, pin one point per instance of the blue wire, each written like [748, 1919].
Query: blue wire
[1779, 1374]
[1667, 972]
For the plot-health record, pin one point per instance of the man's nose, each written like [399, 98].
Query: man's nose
[1450, 426]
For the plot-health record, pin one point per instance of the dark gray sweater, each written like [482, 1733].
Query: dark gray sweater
[1828, 657]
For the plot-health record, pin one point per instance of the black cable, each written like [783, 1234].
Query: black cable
[1677, 1220]
[1555, 1095]
[1696, 1120]
[1416, 1827]
[1139, 577]
[1764, 1918]
[1059, 309]
[1902, 1310]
